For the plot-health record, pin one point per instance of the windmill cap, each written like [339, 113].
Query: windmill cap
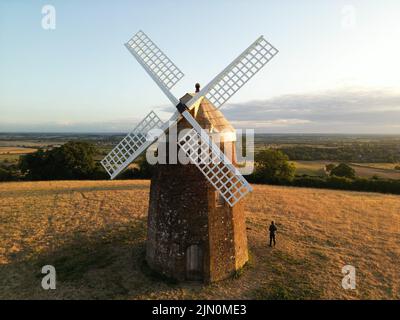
[210, 118]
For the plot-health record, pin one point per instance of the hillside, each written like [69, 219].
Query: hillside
[94, 234]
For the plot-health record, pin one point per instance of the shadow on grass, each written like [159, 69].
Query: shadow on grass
[106, 264]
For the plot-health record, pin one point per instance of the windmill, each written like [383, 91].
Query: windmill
[196, 226]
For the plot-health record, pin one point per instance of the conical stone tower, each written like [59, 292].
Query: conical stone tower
[193, 234]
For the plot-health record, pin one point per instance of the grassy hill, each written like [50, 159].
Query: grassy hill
[93, 232]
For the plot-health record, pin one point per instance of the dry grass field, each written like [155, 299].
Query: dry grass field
[93, 232]
[16, 150]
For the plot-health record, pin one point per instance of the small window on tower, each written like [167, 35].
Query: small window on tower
[219, 199]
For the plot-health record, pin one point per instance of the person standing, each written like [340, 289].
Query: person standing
[272, 230]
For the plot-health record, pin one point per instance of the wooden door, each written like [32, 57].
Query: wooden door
[194, 262]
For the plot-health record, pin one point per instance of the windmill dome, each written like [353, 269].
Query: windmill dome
[210, 119]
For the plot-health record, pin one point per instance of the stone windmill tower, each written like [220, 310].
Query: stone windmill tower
[196, 225]
[193, 234]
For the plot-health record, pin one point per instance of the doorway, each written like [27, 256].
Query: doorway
[194, 262]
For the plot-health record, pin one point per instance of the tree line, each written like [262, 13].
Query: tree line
[273, 167]
[76, 160]
[355, 152]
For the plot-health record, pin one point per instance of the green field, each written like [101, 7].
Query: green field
[366, 170]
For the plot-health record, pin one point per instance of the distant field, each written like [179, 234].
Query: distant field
[12, 154]
[10, 158]
[389, 166]
[93, 232]
[27, 144]
[310, 168]
[16, 150]
[367, 170]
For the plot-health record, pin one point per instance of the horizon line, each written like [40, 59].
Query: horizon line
[124, 133]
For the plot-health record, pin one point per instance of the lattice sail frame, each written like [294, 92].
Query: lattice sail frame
[215, 166]
[147, 52]
[235, 75]
[165, 73]
[134, 143]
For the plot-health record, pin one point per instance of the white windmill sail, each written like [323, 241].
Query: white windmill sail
[215, 166]
[156, 63]
[236, 74]
[166, 74]
[219, 170]
[130, 147]
[196, 144]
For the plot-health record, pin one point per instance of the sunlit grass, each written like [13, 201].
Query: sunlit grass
[94, 233]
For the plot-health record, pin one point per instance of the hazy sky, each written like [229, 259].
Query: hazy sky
[337, 71]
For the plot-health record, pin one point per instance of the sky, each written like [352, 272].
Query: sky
[337, 70]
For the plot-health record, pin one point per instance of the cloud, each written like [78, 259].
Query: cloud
[257, 124]
[341, 111]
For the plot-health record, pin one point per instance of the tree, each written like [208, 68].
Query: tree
[144, 170]
[73, 160]
[343, 170]
[273, 166]
[5, 175]
[329, 167]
